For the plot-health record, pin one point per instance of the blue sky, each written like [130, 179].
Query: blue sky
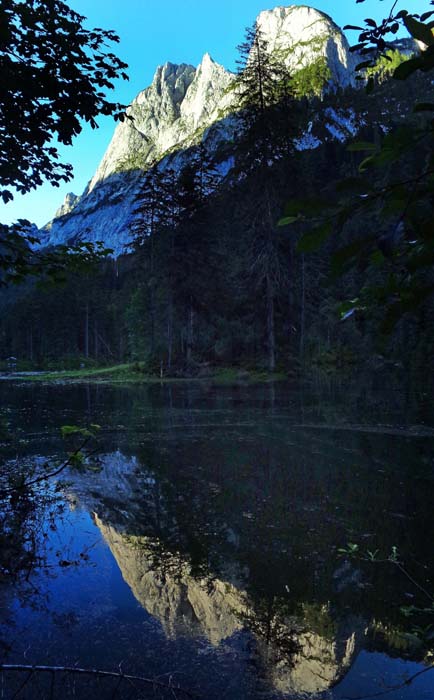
[153, 32]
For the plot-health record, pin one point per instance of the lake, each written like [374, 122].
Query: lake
[269, 541]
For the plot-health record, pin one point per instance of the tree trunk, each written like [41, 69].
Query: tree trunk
[190, 326]
[96, 348]
[271, 340]
[152, 285]
[303, 309]
[31, 344]
[86, 332]
[152, 314]
[169, 332]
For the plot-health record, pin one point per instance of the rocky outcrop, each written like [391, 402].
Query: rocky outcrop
[68, 205]
[183, 106]
[301, 35]
[184, 605]
[172, 113]
[307, 653]
[168, 591]
[321, 661]
[165, 119]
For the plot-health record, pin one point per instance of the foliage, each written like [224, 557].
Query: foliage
[265, 98]
[425, 612]
[267, 128]
[311, 80]
[30, 503]
[206, 265]
[193, 294]
[20, 257]
[55, 74]
[386, 65]
[394, 181]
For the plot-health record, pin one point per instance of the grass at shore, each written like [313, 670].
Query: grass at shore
[130, 374]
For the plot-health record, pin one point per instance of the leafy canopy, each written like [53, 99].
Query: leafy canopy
[54, 75]
[395, 183]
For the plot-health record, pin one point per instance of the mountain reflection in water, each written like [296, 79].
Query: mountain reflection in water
[297, 659]
[224, 518]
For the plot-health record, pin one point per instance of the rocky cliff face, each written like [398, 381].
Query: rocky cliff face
[170, 114]
[303, 35]
[183, 106]
[213, 607]
[185, 605]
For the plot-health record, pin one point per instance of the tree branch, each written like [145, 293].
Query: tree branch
[399, 686]
[98, 673]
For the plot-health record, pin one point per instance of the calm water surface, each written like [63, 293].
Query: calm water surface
[201, 542]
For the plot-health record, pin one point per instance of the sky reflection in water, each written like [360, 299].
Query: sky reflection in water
[204, 541]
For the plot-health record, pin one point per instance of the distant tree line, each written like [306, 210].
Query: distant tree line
[212, 277]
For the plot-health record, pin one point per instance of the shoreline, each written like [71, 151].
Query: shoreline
[126, 374]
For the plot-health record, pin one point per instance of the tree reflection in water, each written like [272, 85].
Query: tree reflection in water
[225, 527]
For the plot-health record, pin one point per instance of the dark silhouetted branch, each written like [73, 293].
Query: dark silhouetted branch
[94, 672]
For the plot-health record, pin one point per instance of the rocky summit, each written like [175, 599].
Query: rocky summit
[182, 107]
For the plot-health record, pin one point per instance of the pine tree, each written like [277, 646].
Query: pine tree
[197, 182]
[265, 98]
[150, 213]
[266, 133]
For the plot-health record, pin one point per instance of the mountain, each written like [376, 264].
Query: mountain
[184, 106]
[187, 606]
[301, 654]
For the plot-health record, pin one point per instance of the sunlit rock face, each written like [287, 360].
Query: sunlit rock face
[216, 610]
[321, 661]
[166, 118]
[304, 654]
[167, 590]
[182, 107]
[170, 114]
[68, 205]
[302, 35]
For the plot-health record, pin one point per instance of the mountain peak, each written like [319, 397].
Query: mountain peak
[303, 35]
[185, 105]
[206, 60]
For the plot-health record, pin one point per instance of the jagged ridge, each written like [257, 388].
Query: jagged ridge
[182, 106]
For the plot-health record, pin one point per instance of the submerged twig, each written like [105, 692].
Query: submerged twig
[98, 673]
[392, 688]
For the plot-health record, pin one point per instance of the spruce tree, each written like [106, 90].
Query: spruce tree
[198, 180]
[150, 213]
[266, 119]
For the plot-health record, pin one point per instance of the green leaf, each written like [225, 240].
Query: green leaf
[405, 69]
[361, 146]
[288, 220]
[350, 251]
[366, 163]
[424, 107]
[394, 145]
[77, 459]
[306, 207]
[314, 238]
[370, 85]
[70, 430]
[419, 30]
